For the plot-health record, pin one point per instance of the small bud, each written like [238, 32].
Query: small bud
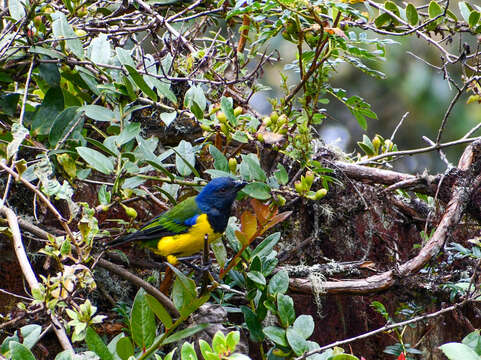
[376, 142]
[37, 20]
[232, 165]
[283, 119]
[82, 11]
[205, 127]
[260, 137]
[299, 187]
[238, 110]
[221, 117]
[309, 179]
[80, 32]
[388, 144]
[281, 200]
[267, 121]
[131, 212]
[320, 194]
[274, 116]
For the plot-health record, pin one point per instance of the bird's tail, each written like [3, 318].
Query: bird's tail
[120, 241]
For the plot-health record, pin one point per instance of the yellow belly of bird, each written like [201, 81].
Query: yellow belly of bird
[190, 242]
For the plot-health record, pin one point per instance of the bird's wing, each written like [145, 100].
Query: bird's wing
[177, 220]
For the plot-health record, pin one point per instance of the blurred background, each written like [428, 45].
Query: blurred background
[410, 86]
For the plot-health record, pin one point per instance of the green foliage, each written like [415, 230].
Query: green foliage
[469, 348]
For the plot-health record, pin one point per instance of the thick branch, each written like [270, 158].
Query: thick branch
[29, 273]
[470, 165]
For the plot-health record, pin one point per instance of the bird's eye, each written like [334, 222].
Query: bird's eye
[223, 189]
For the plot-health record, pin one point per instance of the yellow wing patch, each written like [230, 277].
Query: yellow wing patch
[189, 243]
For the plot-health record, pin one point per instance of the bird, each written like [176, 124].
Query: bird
[181, 230]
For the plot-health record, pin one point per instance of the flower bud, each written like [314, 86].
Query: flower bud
[232, 165]
[131, 212]
[281, 200]
[299, 187]
[274, 116]
[238, 110]
[221, 117]
[320, 193]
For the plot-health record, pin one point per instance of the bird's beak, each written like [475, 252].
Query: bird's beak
[239, 184]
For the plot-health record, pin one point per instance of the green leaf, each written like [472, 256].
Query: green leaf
[218, 343]
[62, 30]
[281, 175]
[343, 357]
[182, 334]
[392, 7]
[257, 277]
[187, 352]
[100, 50]
[226, 105]
[19, 351]
[220, 161]
[159, 311]
[258, 190]
[46, 113]
[54, 54]
[142, 321]
[285, 308]
[297, 343]
[434, 9]
[185, 158]
[253, 323]
[16, 9]
[129, 132]
[64, 124]
[124, 56]
[465, 10]
[451, 15]
[96, 160]
[30, 334]
[124, 348]
[50, 73]
[457, 351]
[139, 80]
[231, 340]
[240, 136]
[206, 351]
[279, 283]
[65, 355]
[168, 118]
[473, 340]
[183, 291]
[276, 334]
[382, 19]
[412, 14]
[8, 103]
[195, 95]
[220, 252]
[266, 246]
[250, 168]
[304, 325]
[111, 150]
[95, 344]
[18, 135]
[473, 18]
[99, 113]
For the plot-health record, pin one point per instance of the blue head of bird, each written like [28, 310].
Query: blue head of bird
[219, 193]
